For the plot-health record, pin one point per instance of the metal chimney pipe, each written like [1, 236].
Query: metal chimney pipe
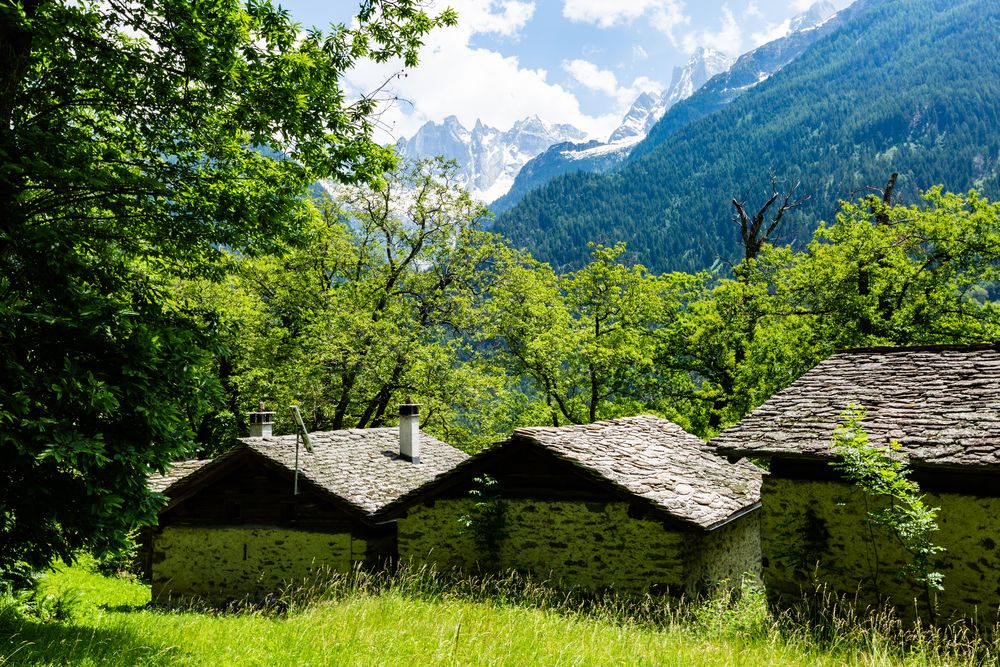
[409, 431]
[261, 423]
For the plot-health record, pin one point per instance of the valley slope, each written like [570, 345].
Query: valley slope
[909, 85]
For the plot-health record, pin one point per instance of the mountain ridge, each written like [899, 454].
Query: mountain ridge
[596, 156]
[895, 88]
[488, 158]
[686, 91]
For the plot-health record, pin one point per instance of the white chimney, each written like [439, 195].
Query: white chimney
[261, 423]
[409, 431]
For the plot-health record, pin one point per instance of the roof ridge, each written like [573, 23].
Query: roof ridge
[934, 347]
[601, 422]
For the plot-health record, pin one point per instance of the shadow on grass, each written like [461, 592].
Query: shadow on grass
[126, 608]
[29, 642]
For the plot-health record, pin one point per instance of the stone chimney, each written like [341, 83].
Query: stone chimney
[261, 423]
[409, 431]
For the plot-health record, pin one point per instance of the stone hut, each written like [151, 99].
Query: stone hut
[236, 527]
[942, 404]
[636, 504]
[161, 484]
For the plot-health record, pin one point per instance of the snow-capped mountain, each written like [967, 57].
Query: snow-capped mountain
[818, 14]
[647, 108]
[502, 166]
[752, 68]
[703, 65]
[596, 156]
[488, 159]
[645, 111]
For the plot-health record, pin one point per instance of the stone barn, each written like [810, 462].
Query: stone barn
[637, 505]
[237, 528]
[942, 404]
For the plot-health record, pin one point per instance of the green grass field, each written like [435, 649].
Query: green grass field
[82, 618]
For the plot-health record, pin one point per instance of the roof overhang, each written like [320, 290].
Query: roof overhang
[480, 464]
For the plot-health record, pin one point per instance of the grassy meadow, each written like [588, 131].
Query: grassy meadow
[79, 617]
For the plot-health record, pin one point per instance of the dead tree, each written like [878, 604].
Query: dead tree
[757, 230]
[880, 210]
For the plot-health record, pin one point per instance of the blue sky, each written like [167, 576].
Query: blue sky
[568, 61]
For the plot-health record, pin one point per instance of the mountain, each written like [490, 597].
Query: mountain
[911, 86]
[703, 65]
[813, 17]
[751, 69]
[488, 159]
[644, 112]
[710, 80]
[599, 157]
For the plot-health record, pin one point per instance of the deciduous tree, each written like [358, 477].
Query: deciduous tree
[138, 140]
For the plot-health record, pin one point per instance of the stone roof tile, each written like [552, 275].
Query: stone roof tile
[178, 471]
[941, 403]
[361, 466]
[659, 461]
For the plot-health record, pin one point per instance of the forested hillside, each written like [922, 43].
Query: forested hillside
[910, 86]
[750, 70]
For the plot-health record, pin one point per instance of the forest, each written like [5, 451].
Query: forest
[397, 291]
[896, 89]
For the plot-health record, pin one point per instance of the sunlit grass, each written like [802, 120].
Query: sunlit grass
[417, 617]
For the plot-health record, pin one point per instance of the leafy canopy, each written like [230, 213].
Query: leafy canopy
[138, 139]
[379, 303]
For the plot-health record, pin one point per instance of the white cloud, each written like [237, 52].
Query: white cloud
[501, 17]
[639, 53]
[801, 5]
[591, 76]
[664, 15]
[771, 32]
[455, 78]
[728, 37]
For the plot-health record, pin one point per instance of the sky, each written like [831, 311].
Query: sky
[581, 62]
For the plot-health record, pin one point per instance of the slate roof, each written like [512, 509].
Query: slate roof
[360, 466]
[942, 403]
[178, 471]
[659, 461]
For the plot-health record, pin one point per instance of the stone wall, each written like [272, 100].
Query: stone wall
[813, 533]
[730, 553]
[584, 545]
[227, 563]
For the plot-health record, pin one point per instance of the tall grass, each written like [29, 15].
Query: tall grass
[417, 616]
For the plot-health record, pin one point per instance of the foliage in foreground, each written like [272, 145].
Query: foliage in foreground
[896, 505]
[421, 617]
[137, 141]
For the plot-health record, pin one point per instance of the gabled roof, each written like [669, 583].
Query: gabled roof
[659, 461]
[360, 469]
[646, 458]
[942, 403]
[178, 471]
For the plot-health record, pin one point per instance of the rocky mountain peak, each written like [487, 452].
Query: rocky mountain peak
[703, 64]
[488, 158]
[813, 17]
